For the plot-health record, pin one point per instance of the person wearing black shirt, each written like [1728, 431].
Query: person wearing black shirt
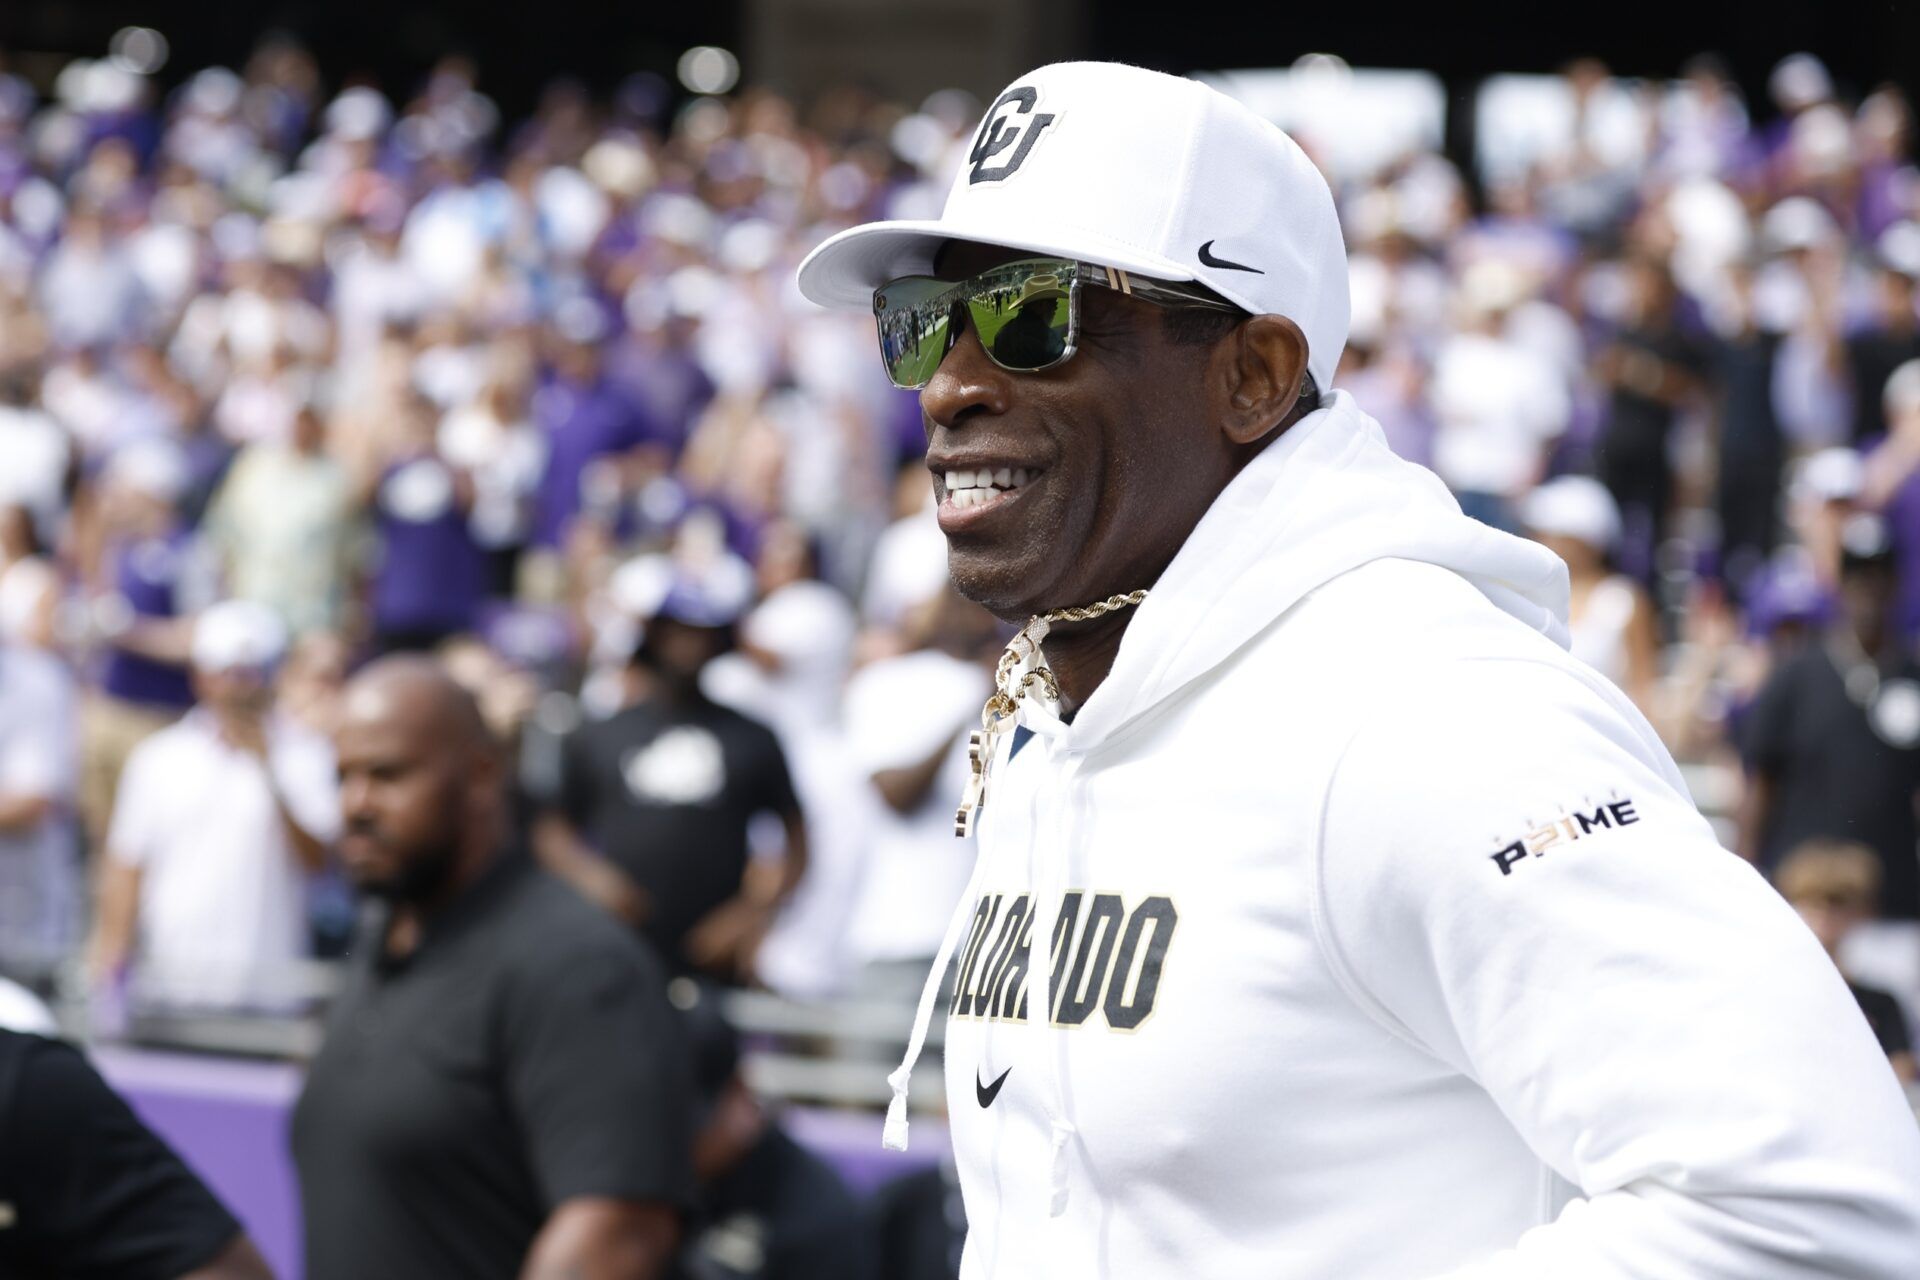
[1832, 741]
[1752, 449]
[87, 1192]
[503, 1090]
[920, 1221]
[1876, 351]
[768, 1209]
[655, 802]
[1649, 370]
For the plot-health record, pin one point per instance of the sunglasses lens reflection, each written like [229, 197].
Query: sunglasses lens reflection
[1022, 312]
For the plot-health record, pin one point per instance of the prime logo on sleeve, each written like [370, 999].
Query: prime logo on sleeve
[1564, 830]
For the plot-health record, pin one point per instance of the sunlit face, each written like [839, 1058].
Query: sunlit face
[1119, 459]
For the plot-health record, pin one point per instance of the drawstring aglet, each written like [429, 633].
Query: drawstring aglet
[893, 1136]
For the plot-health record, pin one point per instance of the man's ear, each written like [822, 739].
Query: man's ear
[1260, 367]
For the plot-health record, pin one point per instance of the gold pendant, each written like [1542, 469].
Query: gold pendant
[974, 799]
[1003, 706]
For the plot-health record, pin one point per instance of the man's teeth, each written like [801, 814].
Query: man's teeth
[971, 488]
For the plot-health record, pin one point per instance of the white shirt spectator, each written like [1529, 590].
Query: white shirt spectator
[1497, 406]
[82, 397]
[898, 713]
[90, 293]
[445, 240]
[505, 459]
[808, 628]
[38, 760]
[909, 567]
[450, 373]
[222, 918]
[373, 287]
[35, 472]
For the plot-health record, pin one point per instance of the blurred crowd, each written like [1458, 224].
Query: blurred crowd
[292, 375]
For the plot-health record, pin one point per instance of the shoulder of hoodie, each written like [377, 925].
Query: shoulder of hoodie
[1392, 616]
[1422, 655]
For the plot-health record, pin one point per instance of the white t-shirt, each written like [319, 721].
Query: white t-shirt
[909, 568]
[38, 757]
[898, 713]
[36, 453]
[505, 459]
[1497, 405]
[1600, 632]
[222, 918]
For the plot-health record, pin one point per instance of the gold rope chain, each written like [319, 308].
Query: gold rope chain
[1004, 703]
[1088, 612]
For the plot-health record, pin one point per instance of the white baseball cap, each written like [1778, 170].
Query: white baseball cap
[152, 465]
[1573, 507]
[1128, 168]
[1835, 474]
[238, 633]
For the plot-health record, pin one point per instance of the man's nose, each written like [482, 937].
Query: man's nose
[965, 384]
[356, 796]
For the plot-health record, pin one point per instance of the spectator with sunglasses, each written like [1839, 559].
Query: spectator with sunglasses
[1292, 782]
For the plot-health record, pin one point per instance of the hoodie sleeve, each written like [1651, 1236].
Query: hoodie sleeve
[1513, 879]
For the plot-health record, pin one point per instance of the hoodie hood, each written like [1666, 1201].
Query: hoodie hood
[1328, 496]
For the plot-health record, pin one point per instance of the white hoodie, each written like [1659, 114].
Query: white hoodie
[1396, 947]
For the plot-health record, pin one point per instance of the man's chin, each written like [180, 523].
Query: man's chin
[387, 887]
[1005, 587]
[376, 877]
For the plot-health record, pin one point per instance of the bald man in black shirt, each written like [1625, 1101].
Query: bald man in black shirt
[504, 1091]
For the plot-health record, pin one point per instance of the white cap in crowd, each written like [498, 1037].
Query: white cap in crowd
[1902, 393]
[714, 593]
[1122, 167]
[1831, 475]
[238, 633]
[1898, 248]
[152, 466]
[1573, 507]
[1798, 222]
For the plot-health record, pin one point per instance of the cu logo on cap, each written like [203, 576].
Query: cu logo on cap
[1004, 128]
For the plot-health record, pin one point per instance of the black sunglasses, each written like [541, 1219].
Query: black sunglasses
[1026, 313]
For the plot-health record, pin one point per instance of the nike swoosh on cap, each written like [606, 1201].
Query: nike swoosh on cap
[986, 1093]
[1208, 260]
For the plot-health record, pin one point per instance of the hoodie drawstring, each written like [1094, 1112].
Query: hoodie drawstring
[1020, 667]
[894, 1135]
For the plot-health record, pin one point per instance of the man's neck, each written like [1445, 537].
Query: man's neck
[1082, 653]
[681, 695]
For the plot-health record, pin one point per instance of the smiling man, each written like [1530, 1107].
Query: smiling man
[1378, 936]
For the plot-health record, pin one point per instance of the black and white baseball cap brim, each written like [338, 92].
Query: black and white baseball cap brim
[1132, 169]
